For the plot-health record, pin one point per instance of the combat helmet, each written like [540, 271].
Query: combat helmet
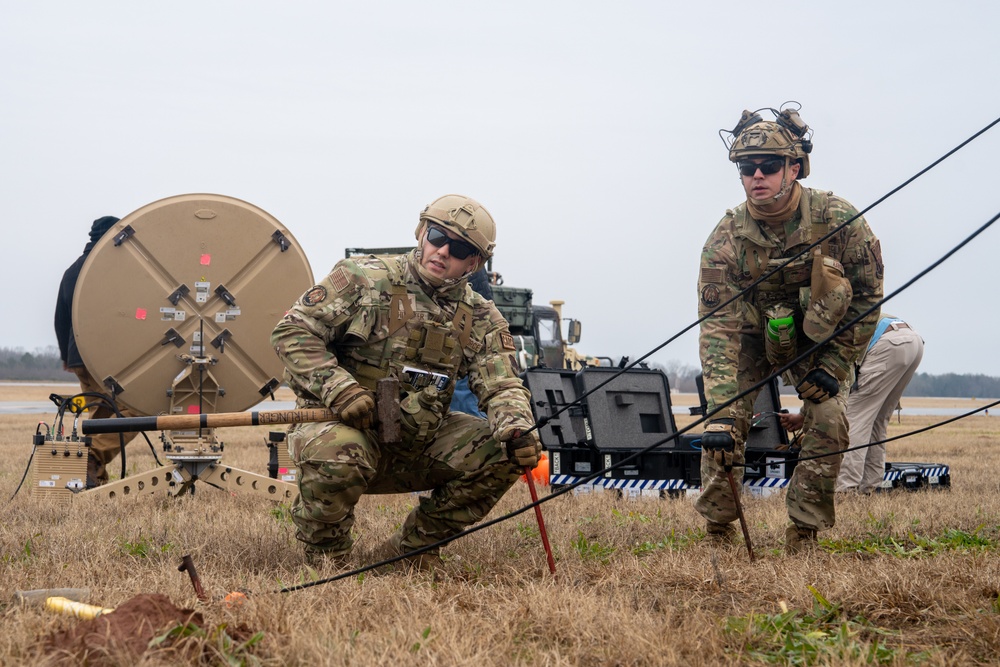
[463, 216]
[786, 136]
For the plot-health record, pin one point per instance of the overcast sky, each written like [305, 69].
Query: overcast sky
[589, 130]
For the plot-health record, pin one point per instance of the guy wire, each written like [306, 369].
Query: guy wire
[768, 274]
[672, 436]
[594, 475]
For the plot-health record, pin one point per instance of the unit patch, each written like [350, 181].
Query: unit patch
[710, 295]
[314, 296]
[507, 341]
[877, 252]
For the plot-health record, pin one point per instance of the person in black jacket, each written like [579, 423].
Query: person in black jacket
[103, 448]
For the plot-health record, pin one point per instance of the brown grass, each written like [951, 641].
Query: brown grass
[637, 584]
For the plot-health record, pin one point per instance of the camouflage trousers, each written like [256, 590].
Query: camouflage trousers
[464, 467]
[106, 446]
[810, 492]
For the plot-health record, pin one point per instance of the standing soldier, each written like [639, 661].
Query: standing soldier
[413, 317]
[800, 304]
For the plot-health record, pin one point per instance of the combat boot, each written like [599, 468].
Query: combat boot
[424, 562]
[327, 559]
[720, 533]
[97, 475]
[799, 539]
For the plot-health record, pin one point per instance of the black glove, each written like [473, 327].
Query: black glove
[817, 386]
[718, 439]
[524, 449]
[356, 407]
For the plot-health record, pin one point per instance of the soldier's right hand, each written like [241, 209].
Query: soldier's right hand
[817, 386]
[356, 407]
[524, 450]
[718, 439]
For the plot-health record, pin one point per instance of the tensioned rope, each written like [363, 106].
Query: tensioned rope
[672, 436]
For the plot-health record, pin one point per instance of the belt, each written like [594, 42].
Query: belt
[896, 326]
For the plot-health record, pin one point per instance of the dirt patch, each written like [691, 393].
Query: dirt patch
[125, 632]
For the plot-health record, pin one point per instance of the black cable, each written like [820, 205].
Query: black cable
[674, 436]
[767, 274]
[793, 362]
[899, 437]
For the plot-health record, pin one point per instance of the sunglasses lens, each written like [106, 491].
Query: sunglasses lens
[460, 249]
[457, 249]
[767, 167]
[436, 237]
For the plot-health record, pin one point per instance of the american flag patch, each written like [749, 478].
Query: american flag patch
[339, 279]
[711, 275]
[507, 341]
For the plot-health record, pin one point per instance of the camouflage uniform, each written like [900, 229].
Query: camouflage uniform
[732, 346]
[371, 318]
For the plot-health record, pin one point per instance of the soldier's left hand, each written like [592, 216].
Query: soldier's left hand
[817, 386]
[719, 439]
[524, 450]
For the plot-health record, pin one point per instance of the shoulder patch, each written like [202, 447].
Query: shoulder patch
[711, 274]
[314, 296]
[507, 341]
[339, 279]
[710, 296]
[877, 252]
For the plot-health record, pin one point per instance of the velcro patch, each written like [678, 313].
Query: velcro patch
[314, 296]
[339, 279]
[710, 296]
[507, 341]
[711, 274]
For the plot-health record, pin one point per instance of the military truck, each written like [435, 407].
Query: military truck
[537, 330]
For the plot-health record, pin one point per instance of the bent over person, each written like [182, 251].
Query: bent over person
[800, 302]
[105, 447]
[887, 366]
[415, 318]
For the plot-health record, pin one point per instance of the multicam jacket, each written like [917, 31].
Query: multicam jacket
[372, 317]
[741, 249]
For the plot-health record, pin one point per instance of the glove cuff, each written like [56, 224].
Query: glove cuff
[721, 426]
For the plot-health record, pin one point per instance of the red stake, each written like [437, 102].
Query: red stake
[541, 522]
[739, 512]
[187, 565]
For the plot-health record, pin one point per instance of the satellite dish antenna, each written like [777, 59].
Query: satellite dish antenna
[175, 304]
[173, 312]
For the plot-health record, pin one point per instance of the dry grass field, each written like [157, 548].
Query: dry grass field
[905, 578]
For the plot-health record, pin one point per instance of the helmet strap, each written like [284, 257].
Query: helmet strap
[791, 205]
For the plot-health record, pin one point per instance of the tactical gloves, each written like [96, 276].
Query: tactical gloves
[718, 439]
[817, 386]
[356, 407]
[524, 449]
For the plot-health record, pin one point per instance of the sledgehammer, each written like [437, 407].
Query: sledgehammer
[387, 402]
[206, 420]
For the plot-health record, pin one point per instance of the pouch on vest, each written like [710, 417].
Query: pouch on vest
[830, 297]
[779, 335]
[420, 415]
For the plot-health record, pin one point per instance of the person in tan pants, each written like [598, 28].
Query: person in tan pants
[892, 358]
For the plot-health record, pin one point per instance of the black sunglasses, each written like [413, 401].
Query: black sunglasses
[767, 167]
[458, 249]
